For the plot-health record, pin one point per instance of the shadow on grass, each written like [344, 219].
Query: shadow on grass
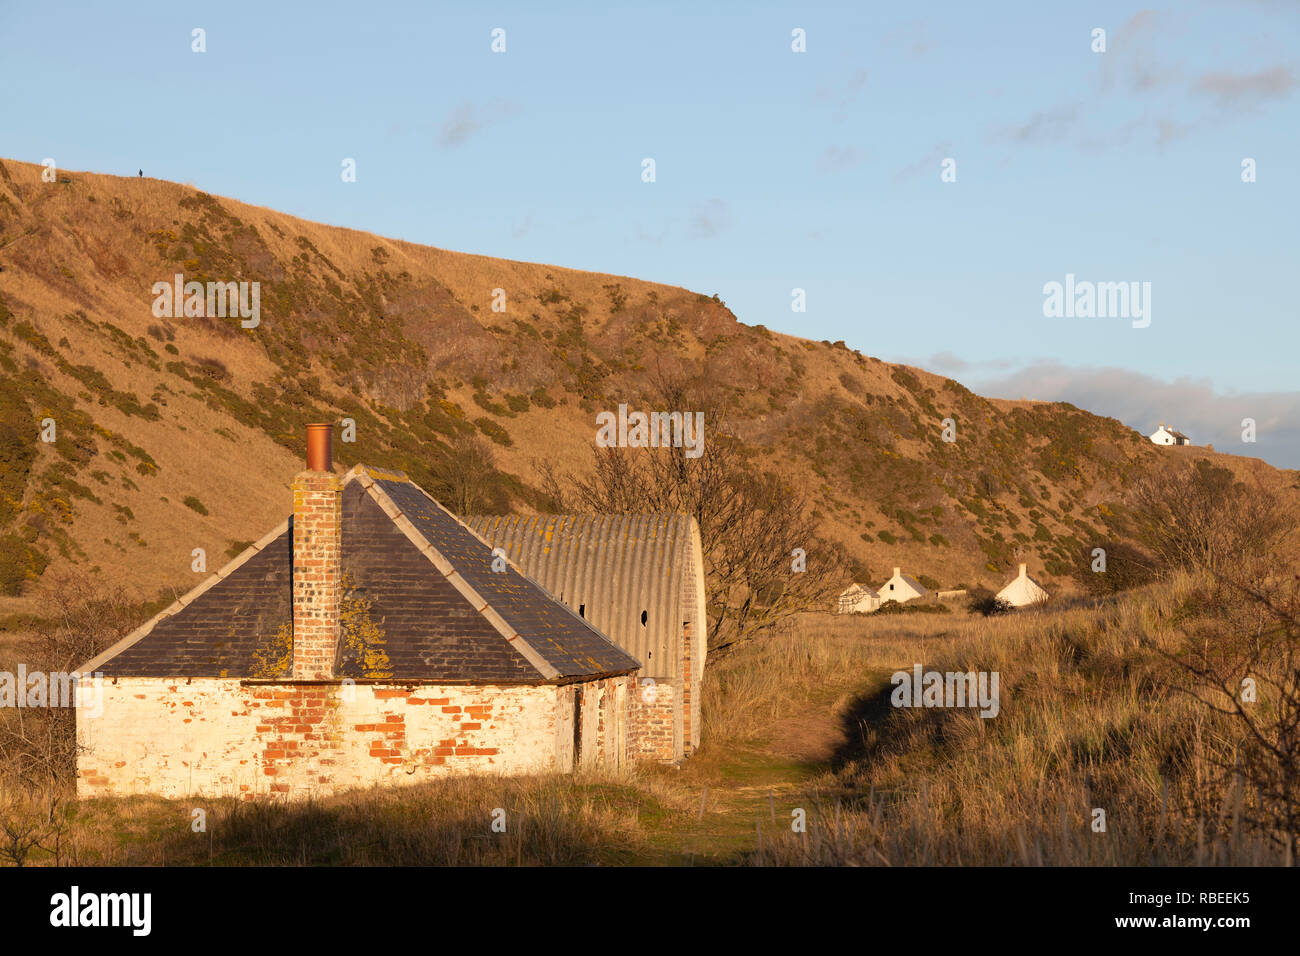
[865, 719]
[474, 822]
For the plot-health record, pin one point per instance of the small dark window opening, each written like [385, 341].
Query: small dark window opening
[644, 618]
[577, 727]
[582, 610]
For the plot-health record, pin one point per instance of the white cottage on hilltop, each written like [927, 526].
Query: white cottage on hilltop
[1164, 435]
[1023, 590]
[901, 588]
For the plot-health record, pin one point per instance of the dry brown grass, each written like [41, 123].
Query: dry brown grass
[1089, 719]
[552, 820]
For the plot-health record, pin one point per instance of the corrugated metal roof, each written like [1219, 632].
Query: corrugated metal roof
[613, 570]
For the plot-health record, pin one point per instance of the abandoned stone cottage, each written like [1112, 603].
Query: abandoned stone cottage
[366, 640]
[640, 580]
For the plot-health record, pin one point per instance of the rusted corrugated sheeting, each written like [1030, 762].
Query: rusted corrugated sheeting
[615, 570]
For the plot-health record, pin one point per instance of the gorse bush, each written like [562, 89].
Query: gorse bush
[493, 431]
[1126, 567]
[981, 600]
[912, 607]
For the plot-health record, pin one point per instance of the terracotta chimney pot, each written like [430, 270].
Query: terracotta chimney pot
[320, 447]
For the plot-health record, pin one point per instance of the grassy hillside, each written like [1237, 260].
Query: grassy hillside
[176, 434]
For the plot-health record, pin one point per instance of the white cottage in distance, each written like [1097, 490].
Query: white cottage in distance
[1165, 435]
[901, 588]
[857, 599]
[1023, 591]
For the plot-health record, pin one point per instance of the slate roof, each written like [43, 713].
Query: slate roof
[216, 629]
[907, 579]
[421, 603]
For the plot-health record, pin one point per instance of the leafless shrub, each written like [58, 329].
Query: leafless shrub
[1126, 568]
[1203, 519]
[553, 485]
[751, 523]
[466, 476]
[29, 823]
[38, 745]
[1242, 660]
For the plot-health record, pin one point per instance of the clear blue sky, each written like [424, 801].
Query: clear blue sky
[775, 169]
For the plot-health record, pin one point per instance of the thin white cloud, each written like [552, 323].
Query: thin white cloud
[1132, 54]
[844, 96]
[655, 238]
[949, 363]
[1045, 126]
[1234, 89]
[913, 38]
[710, 219]
[1137, 67]
[929, 163]
[469, 119]
[835, 158]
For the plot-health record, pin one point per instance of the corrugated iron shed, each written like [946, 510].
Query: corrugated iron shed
[636, 578]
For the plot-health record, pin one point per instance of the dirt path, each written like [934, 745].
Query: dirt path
[814, 734]
[749, 792]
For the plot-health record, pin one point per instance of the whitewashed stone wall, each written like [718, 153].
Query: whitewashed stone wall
[218, 736]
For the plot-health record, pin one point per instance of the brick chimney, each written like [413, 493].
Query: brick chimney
[1024, 570]
[317, 546]
[897, 571]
